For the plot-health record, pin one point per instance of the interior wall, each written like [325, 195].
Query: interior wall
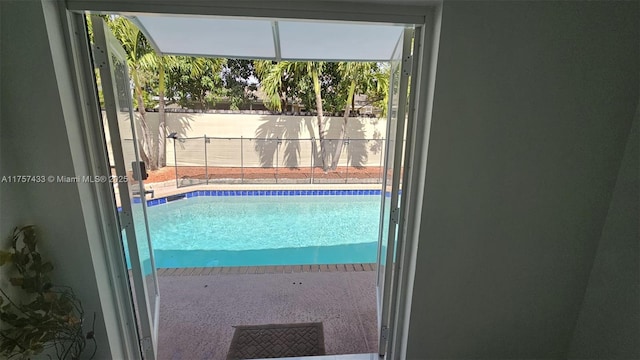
[35, 141]
[609, 323]
[532, 110]
[13, 209]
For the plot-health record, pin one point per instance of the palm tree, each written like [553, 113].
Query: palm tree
[279, 80]
[143, 62]
[140, 59]
[360, 76]
[160, 147]
[196, 68]
[315, 69]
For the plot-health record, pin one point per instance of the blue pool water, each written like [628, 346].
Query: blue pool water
[255, 230]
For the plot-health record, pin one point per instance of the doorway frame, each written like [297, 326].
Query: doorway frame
[123, 339]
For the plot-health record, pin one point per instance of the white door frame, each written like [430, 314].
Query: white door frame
[394, 152]
[426, 18]
[412, 60]
[108, 48]
[116, 299]
[424, 76]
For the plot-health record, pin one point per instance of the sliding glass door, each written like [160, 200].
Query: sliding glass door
[390, 216]
[111, 61]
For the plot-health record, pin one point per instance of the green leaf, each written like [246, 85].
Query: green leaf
[35, 304]
[8, 317]
[7, 347]
[5, 257]
[30, 284]
[20, 258]
[33, 326]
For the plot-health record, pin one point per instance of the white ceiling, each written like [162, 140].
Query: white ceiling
[269, 39]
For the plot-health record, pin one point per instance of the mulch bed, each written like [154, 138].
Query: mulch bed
[199, 172]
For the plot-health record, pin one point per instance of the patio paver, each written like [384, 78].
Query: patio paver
[279, 269]
[198, 312]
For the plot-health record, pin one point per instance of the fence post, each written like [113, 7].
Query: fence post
[312, 160]
[241, 160]
[278, 142]
[346, 177]
[175, 160]
[382, 152]
[206, 163]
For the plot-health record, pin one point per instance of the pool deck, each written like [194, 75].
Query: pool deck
[199, 307]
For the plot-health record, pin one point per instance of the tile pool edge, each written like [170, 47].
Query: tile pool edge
[240, 193]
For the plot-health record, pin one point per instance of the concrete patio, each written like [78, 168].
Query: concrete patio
[199, 307]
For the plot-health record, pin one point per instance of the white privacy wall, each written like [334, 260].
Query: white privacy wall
[195, 125]
[532, 111]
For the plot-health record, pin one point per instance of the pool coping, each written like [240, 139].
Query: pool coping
[163, 190]
[274, 269]
[256, 193]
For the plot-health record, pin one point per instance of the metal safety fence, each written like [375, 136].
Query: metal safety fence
[213, 160]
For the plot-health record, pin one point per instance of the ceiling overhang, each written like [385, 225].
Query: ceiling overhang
[275, 39]
[382, 11]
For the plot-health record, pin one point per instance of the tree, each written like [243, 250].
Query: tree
[280, 82]
[160, 146]
[192, 68]
[195, 82]
[143, 64]
[320, 85]
[237, 77]
[377, 88]
[332, 89]
[315, 69]
[359, 76]
[140, 60]
[284, 82]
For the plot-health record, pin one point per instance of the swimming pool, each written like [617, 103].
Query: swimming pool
[258, 230]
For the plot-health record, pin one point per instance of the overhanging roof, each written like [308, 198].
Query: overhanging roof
[259, 38]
